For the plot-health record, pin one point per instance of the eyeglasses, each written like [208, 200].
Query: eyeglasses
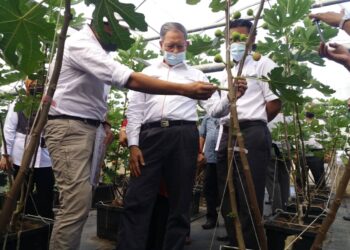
[173, 46]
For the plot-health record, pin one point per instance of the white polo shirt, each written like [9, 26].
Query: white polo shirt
[144, 108]
[86, 68]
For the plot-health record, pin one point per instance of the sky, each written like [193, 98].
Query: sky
[158, 12]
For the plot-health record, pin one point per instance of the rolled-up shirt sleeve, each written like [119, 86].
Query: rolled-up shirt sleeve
[97, 62]
[135, 115]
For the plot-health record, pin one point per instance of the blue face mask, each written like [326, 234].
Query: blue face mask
[237, 51]
[173, 59]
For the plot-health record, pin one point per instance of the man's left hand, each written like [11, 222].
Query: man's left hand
[241, 85]
[201, 161]
[109, 135]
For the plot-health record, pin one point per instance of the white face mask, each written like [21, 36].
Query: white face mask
[237, 51]
[173, 59]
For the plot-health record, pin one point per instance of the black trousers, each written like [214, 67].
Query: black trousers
[316, 165]
[158, 223]
[257, 140]
[169, 153]
[210, 190]
[278, 182]
[42, 192]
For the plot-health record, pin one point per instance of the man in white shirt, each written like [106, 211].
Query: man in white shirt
[255, 109]
[163, 142]
[78, 108]
[16, 129]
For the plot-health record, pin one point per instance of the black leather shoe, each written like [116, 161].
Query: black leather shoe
[346, 217]
[223, 238]
[209, 225]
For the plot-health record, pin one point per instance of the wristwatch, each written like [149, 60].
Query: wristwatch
[344, 19]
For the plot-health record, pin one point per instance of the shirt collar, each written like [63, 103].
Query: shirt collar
[182, 65]
[86, 30]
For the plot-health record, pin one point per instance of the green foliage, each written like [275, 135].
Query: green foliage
[220, 5]
[284, 14]
[120, 35]
[201, 47]
[328, 127]
[28, 104]
[9, 76]
[137, 55]
[192, 2]
[22, 26]
[291, 44]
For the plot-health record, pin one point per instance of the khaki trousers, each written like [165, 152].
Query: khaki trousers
[70, 144]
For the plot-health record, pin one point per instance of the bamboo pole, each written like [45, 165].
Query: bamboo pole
[234, 125]
[327, 222]
[39, 123]
[230, 153]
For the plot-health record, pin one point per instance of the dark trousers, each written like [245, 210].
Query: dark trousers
[158, 223]
[41, 192]
[257, 140]
[210, 189]
[316, 165]
[169, 153]
[277, 183]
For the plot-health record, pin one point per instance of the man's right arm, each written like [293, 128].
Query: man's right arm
[10, 126]
[144, 83]
[134, 114]
[95, 61]
[333, 19]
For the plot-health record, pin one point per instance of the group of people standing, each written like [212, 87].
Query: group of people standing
[162, 133]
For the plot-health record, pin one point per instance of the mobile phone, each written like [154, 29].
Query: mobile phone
[317, 23]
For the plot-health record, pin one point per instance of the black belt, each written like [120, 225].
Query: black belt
[166, 124]
[247, 124]
[91, 122]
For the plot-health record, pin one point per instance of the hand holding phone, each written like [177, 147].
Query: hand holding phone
[317, 23]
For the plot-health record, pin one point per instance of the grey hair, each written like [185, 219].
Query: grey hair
[172, 26]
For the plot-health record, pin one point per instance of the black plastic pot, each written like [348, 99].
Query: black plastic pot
[108, 219]
[278, 229]
[35, 235]
[313, 210]
[103, 193]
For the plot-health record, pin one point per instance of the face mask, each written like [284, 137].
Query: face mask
[237, 51]
[108, 46]
[173, 59]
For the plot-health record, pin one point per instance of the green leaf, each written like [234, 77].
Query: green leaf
[200, 44]
[22, 28]
[219, 5]
[120, 34]
[285, 12]
[192, 2]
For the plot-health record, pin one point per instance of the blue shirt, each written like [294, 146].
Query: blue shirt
[209, 129]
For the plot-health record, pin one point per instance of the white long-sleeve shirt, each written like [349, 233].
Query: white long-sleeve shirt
[15, 142]
[252, 105]
[144, 108]
[86, 68]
